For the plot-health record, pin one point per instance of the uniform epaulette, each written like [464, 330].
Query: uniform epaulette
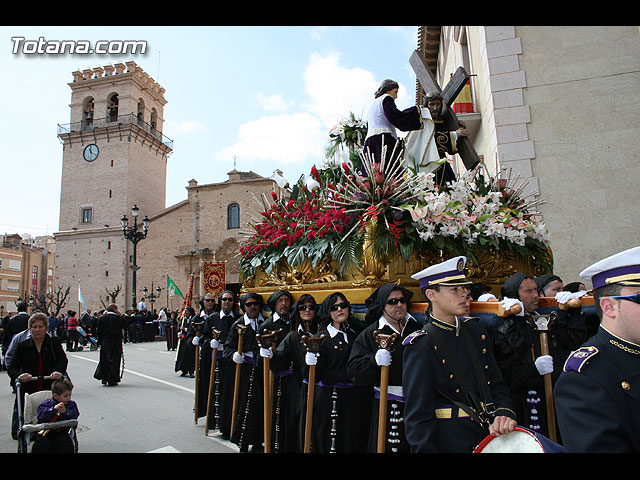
[578, 359]
[412, 336]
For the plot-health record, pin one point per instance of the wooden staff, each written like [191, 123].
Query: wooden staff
[313, 345]
[386, 342]
[240, 328]
[268, 339]
[215, 335]
[197, 327]
[542, 323]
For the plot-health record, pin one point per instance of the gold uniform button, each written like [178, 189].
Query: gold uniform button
[626, 385]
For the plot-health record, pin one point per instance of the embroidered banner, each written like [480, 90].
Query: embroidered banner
[214, 277]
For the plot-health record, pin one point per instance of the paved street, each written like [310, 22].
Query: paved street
[150, 411]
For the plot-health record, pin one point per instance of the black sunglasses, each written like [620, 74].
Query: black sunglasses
[635, 298]
[209, 300]
[250, 304]
[227, 299]
[302, 308]
[395, 301]
[336, 306]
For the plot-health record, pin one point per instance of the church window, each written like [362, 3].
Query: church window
[87, 214]
[233, 216]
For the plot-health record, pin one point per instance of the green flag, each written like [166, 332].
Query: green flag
[172, 287]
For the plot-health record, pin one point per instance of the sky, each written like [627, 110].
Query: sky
[264, 97]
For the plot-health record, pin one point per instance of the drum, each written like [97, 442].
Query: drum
[521, 440]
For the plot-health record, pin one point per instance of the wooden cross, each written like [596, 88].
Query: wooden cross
[459, 79]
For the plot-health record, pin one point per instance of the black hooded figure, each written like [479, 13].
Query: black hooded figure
[364, 368]
[517, 348]
[543, 280]
[220, 401]
[340, 412]
[289, 357]
[248, 424]
[284, 426]
[185, 355]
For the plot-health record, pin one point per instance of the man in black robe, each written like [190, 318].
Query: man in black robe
[248, 425]
[387, 314]
[110, 327]
[219, 402]
[204, 363]
[518, 351]
[284, 426]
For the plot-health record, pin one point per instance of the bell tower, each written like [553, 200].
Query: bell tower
[114, 156]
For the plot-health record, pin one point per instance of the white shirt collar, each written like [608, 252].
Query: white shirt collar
[253, 321]
[334, 331]
[383, 321]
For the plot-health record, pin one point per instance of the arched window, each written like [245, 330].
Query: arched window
[233, 216]
[112, 108]
[140, 115]
[87, 113]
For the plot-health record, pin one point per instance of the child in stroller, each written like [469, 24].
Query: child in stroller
[49, 420]
[86, 337]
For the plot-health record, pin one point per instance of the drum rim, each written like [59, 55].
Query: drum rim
[490, 437]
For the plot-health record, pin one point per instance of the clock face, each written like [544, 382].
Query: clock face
[90, 152]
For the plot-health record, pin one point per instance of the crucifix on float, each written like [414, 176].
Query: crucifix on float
[427, 81]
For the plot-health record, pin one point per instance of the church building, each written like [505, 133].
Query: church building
[115, 133]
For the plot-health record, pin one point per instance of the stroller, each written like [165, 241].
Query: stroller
[28, 417]
[93, 342]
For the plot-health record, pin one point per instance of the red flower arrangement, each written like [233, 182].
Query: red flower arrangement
[287, 222]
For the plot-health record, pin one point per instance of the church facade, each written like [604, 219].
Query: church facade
[556, 106]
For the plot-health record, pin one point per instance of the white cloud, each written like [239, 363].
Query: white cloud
[334, 90]
[192, 126]
[286, 138]
[273, 103]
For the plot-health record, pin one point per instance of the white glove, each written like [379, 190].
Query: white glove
[215, 344]
[237, 357]
[507, 303]
[485, 297]
[266, 352]
[563, 297]
[195, 341]
[311, 358]
[383, 357]
[544, 364]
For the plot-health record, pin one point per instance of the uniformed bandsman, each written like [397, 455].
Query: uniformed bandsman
[453, 388]
[597, 396]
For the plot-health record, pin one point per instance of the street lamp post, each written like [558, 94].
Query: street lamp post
[151, 296]
[132, 234]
